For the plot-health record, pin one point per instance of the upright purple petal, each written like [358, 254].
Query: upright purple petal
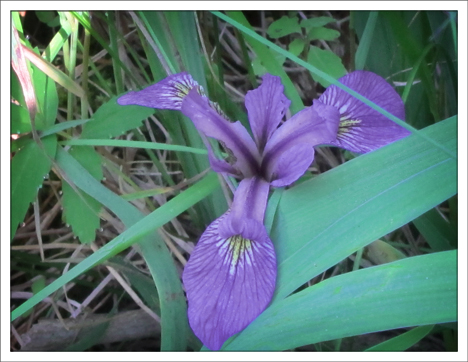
[166, 94]
[362, 129]
[233, 136]
[266, 106]
[229, 282]
[312, 126]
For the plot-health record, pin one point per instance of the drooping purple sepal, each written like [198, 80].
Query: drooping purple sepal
[166, 94]
[362, 129]
[229, 282]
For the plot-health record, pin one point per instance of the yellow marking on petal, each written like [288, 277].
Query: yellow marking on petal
[183, 89]
[347, 124]
[238, 246]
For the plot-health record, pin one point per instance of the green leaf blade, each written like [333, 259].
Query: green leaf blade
[323, 34]
[296, 46]
[47, 99]
[283, 26]
[327, 62]
[316, 22]
[112, 120]
[20, 120]
[437, 232]
[359, 202]
[81, 212]
[413, 291]
[29, 167]
[366, 41]
[403, 341]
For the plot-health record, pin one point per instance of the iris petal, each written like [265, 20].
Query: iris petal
[166, 94]
[250, 201]
[292, 164]
[266, 106]
[362, 129]
[229, 282]
[221, 166]
[233, 136]
[312, 126]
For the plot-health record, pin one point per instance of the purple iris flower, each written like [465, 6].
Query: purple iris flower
[231, 275]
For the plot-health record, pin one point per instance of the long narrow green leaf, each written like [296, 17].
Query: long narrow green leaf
[156, 44]
[365, 43]
[273, 203]
[138, 280]
[58, 40]
[414, 71]
[134, 144]
[439, 234]
[413, 48]
[403, 341]
[51, 71]
[47, 99]
[63, 126]
[413, 291]
[159, 30]
[184, 32]
[453, 26]
[116, 63]
[322, 221]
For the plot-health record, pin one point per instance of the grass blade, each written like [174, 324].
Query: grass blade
[59, 127]
[403, 341]
[365, 43]
[439, 234]
[54, 73]
[135, 144]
